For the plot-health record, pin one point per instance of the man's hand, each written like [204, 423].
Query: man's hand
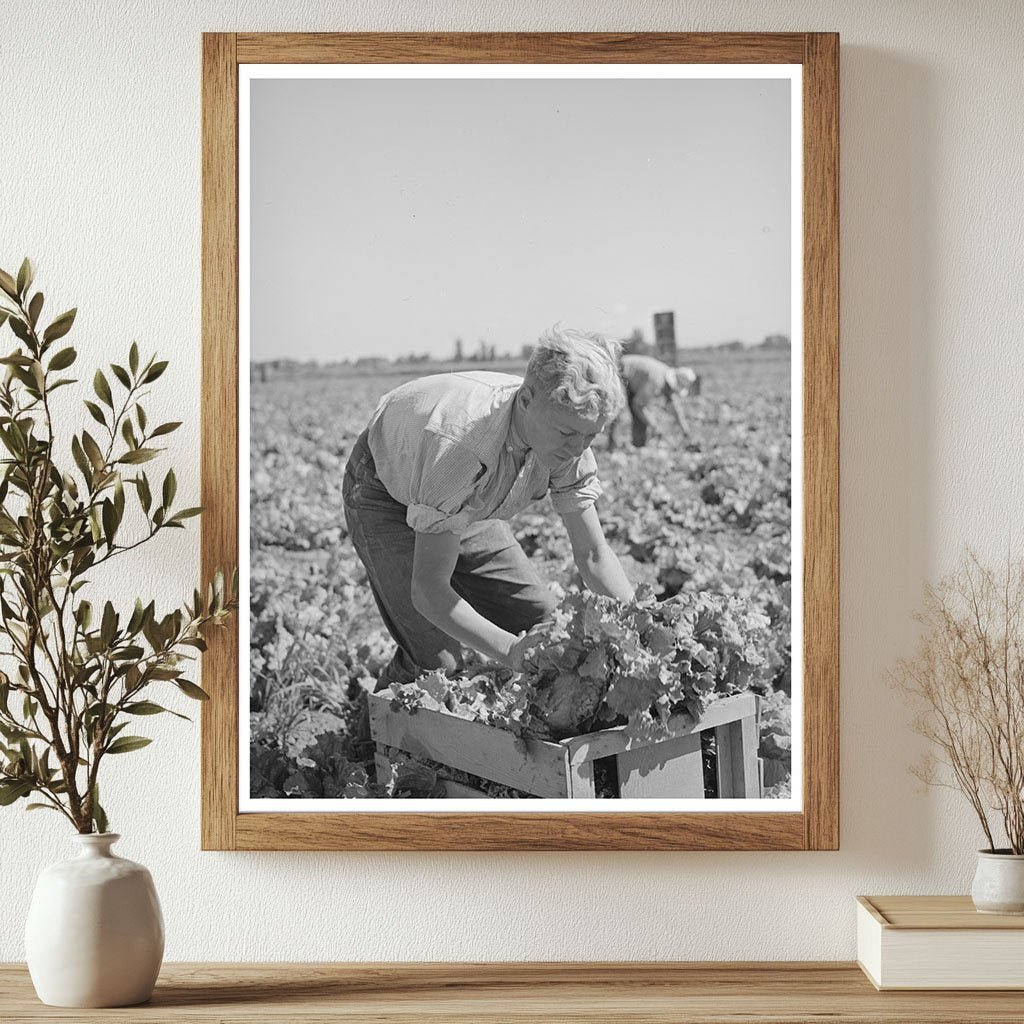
[514, 660]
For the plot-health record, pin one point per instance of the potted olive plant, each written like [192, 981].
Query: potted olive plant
[967, 682]
[78, 672]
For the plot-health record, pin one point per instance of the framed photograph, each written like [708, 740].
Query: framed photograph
[520, 420]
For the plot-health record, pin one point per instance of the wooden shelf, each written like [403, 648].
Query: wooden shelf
[612, 993]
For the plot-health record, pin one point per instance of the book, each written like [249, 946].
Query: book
[938, 942]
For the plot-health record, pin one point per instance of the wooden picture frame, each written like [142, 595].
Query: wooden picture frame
[816, 826]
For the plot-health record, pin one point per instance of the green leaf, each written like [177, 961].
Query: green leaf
[108, 627]
[80, 459]
[12, 733]
[185, 513]
[20, 329]
[191, 690]
[63, 359]
[96, 412]
[119, 499]
[165, 428]
[144, 707]
[42, 807]
[10, 442]
[26, 274]
[14, 790]
[121, 374]
[139, 455]
[60, 326]
[145, 498]
[7, 283]
[133, 358]
[140, 415]
[102, 388]
[25, 378]
[94, 711]
[95, 526]
[168, 673]
[155, 371]
[147, 707]
[128, 433]
[99, 816]
[137, 616]
[16, 359]
[83, 558]
[109, 521]
[34, 308]
[92, 449]
[130, 653]
[83, 613]
[170, 488]
[125, 744]
[151, 631]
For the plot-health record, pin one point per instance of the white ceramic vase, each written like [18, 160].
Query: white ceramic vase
[95, 933]
[999, 883]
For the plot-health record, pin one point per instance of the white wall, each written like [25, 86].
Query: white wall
[100, 183]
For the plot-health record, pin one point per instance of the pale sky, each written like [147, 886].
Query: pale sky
[391, 216]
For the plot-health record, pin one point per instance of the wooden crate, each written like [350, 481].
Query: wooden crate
[670, 768]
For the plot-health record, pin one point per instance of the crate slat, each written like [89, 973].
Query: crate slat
[458, 791]
[384, 766]
[614, 741]
[736, 750]
[471, 747]
[672, 769]
[581, 780]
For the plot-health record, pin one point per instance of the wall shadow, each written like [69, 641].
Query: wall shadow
[887, 302]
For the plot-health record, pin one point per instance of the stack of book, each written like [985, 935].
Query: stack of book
[938, 942]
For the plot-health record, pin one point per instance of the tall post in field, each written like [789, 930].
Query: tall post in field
[665, 337]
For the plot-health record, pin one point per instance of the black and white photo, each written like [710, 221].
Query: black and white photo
[517, 468]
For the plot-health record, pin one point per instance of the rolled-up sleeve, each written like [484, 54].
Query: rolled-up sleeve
[575, 486]
[441, 485]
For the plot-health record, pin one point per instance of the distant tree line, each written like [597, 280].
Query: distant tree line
[635, 344]
[482, 353]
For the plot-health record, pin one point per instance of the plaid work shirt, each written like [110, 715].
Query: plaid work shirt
[444, 447]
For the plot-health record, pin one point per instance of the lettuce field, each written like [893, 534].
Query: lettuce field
[702, 521]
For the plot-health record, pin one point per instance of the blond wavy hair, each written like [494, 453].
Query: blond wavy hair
[580, 370]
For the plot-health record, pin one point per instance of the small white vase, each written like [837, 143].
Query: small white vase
[95, 933]
[999, 883]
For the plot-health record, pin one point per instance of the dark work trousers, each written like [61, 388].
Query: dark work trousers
[638, 415]
[492, 573]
